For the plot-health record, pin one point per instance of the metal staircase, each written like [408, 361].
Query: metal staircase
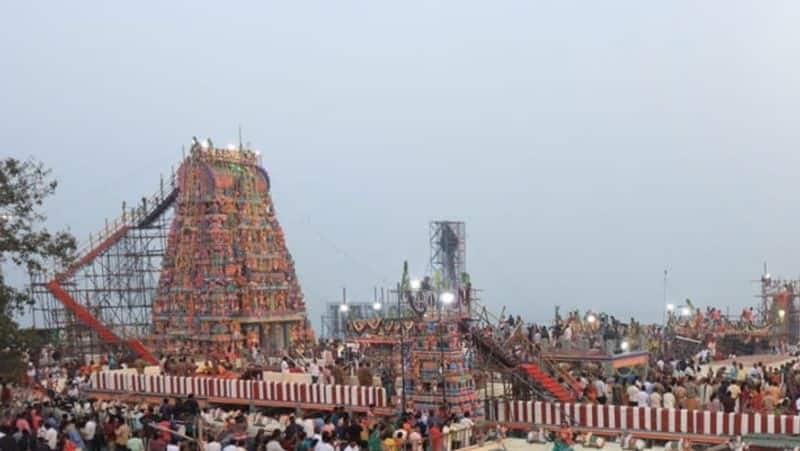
[538, 375]
[78, 286]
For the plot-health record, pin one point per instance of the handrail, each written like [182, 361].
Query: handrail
[551, 364]
[129, 218]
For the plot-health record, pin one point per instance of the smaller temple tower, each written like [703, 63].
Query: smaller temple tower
[439, 370]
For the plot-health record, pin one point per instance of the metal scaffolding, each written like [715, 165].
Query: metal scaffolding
[780, 306]
[114, 279]
[448, 251]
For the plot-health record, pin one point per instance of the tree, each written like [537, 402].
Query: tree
[24, 241]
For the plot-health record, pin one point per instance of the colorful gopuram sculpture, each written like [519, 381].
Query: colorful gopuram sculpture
[228, 280]
[439, 366]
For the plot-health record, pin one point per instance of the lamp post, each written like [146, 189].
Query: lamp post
[377, 304]
[414, 284]
[663, 319]
[446, 298]
[343, 309]
[669, 309]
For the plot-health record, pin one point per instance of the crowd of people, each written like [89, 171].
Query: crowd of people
[49, 409]
[33, 421]
[684, 384]
[672, 379]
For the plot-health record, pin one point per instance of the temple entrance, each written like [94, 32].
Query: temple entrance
[275, 337]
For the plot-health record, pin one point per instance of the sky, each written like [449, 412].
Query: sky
[587, 145]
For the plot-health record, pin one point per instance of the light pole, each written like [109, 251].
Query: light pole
[415, 284]
[663, 314]
[670, 308]
[343, 309]
[446, 298]
[402, 351]
[377, 304]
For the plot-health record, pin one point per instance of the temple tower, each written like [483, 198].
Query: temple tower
[439, 367]
[228, 279]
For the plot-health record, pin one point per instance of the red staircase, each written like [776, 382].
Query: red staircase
[112, 234]
[104, 332]
[139, 349]
[547, 382]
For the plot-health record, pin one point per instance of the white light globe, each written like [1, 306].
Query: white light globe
[447, 298]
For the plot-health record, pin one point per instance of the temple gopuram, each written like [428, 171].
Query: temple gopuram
[228, 279]
[424, 343]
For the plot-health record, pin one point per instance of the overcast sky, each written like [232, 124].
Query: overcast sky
[587, 145]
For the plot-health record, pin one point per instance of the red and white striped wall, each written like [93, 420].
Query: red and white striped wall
[624, 418]
[207, 387]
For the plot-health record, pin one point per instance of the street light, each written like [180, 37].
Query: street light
[415, 284]
[446, 298]
[591, 319]
[670, 308]
[400, 297]
[344, 308]
[685, 311]
[377, 306]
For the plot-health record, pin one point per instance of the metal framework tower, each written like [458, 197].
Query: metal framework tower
[448, 244]
[103, 301]
[780, 305]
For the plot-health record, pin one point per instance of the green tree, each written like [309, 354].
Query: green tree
[24, 241]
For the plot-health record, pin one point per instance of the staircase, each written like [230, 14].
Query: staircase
[491, 347]
[87, 318]
[547, 382]
[141, 216]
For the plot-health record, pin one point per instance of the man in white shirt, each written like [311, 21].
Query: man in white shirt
[31, 373]
[633, 395]
[313, 368]
[600, 387]
[642, 399]
[285, 365]
[48, 435]
[213, 445]
[655, 399]
[89, 431]
[325, 443]
[669, 400]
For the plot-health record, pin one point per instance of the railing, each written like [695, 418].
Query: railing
[618, 419]
[240, 390]
[129, 218]
[548, 363]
